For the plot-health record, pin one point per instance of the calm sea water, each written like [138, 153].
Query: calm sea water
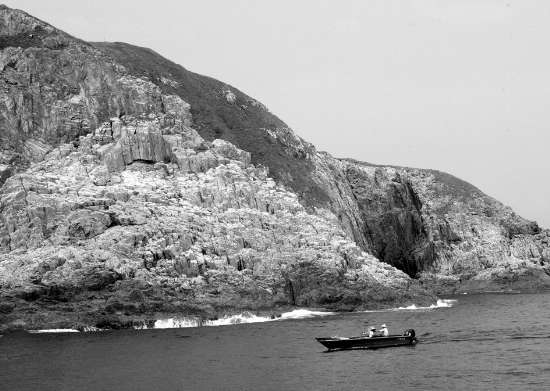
[483, 342]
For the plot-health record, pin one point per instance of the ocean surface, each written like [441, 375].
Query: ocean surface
[479, 342]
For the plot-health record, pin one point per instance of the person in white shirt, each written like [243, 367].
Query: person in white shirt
[372, 331]
[384, 331]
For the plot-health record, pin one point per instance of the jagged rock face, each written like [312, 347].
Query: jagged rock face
[56, 88]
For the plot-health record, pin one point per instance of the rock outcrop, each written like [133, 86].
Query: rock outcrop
[132, 187]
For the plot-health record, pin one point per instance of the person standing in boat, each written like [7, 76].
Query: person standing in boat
[384, 331]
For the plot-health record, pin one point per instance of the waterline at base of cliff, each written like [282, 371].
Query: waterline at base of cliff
[241, 318]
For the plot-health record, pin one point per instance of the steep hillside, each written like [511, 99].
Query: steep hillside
[131, 187]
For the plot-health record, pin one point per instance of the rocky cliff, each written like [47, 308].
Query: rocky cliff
[141, 218]
[132, 187]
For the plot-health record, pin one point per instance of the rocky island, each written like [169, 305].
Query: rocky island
[133, 189]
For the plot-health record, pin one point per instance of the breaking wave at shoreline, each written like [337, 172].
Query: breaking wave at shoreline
[248, 317]
[244, 318]
[441, 303]
[193, 321]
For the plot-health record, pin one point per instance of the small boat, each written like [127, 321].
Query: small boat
[364, 342]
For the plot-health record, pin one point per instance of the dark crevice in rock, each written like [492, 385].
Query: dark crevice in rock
[393, 226]
[5, 173]
[143, 161]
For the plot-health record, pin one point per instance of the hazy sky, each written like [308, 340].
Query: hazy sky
[461, 86]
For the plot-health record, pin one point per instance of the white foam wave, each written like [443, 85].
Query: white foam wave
[441, 303]
[173, 323]
[304, 314]
[53, 331]
[91, 329]
[176, 323]
[245, 317]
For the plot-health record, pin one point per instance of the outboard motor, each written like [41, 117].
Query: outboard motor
[410, 333]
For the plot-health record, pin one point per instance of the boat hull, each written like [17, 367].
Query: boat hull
[366, 342]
